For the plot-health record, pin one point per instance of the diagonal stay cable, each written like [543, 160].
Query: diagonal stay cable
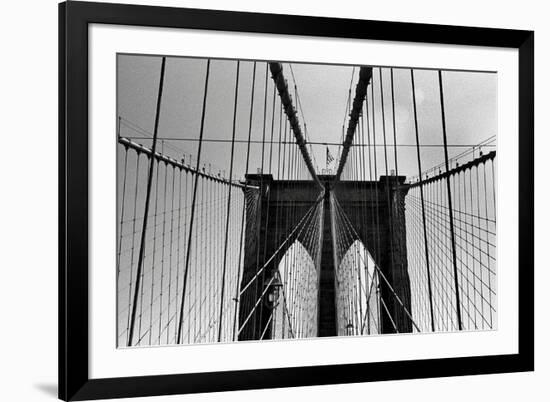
[300, 226]
[378, 268]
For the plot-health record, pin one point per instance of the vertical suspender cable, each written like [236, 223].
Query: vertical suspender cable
[450, 206]
[178, 249]
[193, 202]
[228, 203]
[147, 199]
[393, 120]
[244, 202]
[259, 227]
[151, 300]
[133, 244]
[170, 255]
[388, 196]
[163, 243]
[122, 209]
[272, 125]
[422, 202]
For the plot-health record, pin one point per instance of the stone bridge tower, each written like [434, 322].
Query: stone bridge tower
[376, 211]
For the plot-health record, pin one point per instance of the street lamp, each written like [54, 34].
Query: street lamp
[273, 292]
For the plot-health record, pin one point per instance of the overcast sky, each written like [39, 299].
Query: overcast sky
[470, 106]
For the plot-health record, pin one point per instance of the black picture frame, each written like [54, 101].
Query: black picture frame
[74, 18]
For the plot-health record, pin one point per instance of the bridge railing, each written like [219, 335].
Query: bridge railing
[472, 186]
[434, 237]
[184, 225]
[171, 249]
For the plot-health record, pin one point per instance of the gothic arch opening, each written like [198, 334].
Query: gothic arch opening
[357, 292]
[296, 309]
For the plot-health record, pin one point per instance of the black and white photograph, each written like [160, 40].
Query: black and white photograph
[263, 200]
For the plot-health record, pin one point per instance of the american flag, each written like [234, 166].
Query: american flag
[330, 158]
